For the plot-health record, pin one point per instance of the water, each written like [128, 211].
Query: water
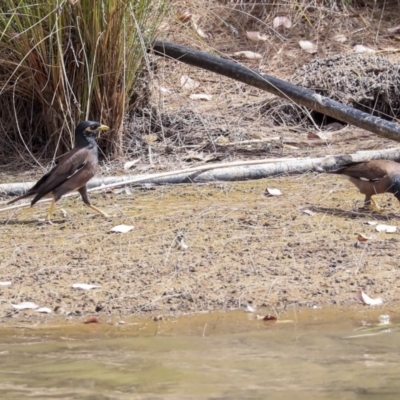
[213, 356]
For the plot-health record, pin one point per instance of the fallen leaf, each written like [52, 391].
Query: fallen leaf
[8, 283]
[308, 46]
[248, 54]
[394, 29]
[199, 31]
[368, 300]
[363, 238]
[384, 319]
[359, 48]
[270, 317]
[221, 140]
[184, 17]
[45, 310]
[27, 305]
[372, 223]
[122, 228]
[282, 21]
[309, 212]
[125, 190]
[164, 90]
[91, 320]
[149, 139]
[182, 245]
[256, 36]
[319, 135]
[250, 309]
[130, 164]
[386, 228]
[340, 38]
[85, 286]
[273, 192]
[201, 96]
[188, 83]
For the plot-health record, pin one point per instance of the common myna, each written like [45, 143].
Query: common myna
[74, 170]
[373, 177]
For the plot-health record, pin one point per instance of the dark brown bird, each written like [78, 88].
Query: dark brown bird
[373, 177]
[74, 170]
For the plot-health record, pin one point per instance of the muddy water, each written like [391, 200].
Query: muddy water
[311, 354]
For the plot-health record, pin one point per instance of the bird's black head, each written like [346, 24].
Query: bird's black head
[86, 132]
[395, 188]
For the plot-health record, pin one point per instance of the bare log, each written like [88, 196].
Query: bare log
[235, 171]
[299, 95]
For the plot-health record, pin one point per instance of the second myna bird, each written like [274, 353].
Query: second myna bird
[74, 170]
[373, 177]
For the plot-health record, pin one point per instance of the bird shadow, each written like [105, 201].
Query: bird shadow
[358, 213]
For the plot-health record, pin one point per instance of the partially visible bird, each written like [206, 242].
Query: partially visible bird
[74, 170]
[373, 177]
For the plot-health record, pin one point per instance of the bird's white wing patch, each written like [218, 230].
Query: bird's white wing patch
[361, 178]
[77, 170]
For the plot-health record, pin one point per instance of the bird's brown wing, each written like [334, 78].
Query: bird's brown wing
[371, 171]
[70, 165]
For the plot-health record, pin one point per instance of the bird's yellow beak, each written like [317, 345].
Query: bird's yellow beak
[103, 128]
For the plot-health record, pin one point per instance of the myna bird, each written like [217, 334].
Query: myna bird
[373, 177]
[74, 170]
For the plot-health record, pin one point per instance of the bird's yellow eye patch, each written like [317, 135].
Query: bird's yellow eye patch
[92, 128]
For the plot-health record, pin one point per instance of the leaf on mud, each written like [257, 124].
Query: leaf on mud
[282, 21]
[270, 317]
[368, 300]
[250, 309]
[362, 238]
[359, 48]
[384, 319]
[386, 228]
[44, 310]
[248, 54]
[308, 46]
[122, 228]
[201, 96]
[85, 286]
[130, 164]
[91, 320]
[256, 36]
[8, 283]
[188, 83]
[27, 305]
[273, 192]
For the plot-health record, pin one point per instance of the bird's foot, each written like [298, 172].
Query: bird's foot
[374, 206]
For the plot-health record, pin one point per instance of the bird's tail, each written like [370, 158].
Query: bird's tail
[24, 196]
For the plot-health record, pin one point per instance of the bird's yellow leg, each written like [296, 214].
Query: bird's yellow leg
[375, 204]
[105, 215]
[51, 210]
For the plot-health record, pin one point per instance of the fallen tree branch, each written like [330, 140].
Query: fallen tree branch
[236, 171]
[297, 94]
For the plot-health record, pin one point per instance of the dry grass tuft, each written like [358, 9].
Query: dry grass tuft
[66, 61]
